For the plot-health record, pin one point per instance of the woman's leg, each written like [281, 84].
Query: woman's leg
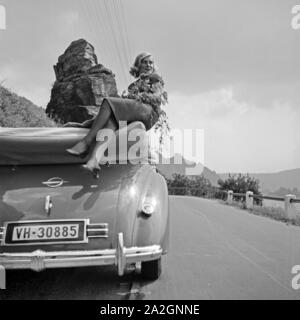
[99, 122]
[100, 147]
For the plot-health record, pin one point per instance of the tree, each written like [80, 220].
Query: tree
[201, 186]
[241, 184]
[197, 186]
[178, 181]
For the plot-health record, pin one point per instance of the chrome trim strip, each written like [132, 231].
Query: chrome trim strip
[104, 235]
[98, 236]
[97, 230]
[98, 226]
[48, 204]
[120, 255]
[2, 232]
[40, 260]
[4, 235]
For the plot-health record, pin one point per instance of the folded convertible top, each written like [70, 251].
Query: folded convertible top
[38, 145]
[33, 146]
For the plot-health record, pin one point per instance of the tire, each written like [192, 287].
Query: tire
[151, 269]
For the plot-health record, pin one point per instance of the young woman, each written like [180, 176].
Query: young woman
[142, 103]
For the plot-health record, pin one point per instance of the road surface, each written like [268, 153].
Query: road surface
[216, 252]
[222, 252]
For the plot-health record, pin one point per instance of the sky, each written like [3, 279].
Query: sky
[231, 67]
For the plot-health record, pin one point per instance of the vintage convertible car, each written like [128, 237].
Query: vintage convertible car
[54, 213]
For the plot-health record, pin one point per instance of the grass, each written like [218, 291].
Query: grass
[17, 112]
[275, 213]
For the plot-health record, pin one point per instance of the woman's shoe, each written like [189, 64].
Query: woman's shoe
[93, 167]
[80, 149]
[72, 125]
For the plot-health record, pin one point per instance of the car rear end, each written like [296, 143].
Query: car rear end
[54, 213]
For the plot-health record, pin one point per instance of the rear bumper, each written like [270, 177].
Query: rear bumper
[40, 260]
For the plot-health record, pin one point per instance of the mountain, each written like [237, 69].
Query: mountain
[178, 164]
[16, 111]
[271, 182]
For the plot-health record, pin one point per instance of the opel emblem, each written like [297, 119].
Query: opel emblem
[54, 182]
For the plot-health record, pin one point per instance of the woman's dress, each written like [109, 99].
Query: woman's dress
[143, 101]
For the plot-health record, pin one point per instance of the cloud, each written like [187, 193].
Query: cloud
[15, 77]
[238, 135]
[216, 103]
[266, 95]
[69, 19]
[217, 44]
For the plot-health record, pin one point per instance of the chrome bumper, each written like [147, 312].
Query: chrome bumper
[39, 260]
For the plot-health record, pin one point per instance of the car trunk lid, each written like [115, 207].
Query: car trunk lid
[59, 192]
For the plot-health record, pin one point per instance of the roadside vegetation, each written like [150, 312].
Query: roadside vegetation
[275, 213]
[241, 184]
[197, 186]
[201, 187]
[17, 112]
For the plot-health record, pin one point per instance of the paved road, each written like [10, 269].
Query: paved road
[217, 252]
[221, 252]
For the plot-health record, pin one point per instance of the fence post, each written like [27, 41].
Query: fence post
[229, 196]
[249, 200]
[290, 209]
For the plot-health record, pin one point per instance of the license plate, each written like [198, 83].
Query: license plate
[43, 232]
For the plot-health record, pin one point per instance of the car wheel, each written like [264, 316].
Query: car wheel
[151, 269]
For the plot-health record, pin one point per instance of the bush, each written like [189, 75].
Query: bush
[196, 186]
[241, 184]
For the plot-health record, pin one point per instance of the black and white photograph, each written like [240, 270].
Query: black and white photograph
[149, 151]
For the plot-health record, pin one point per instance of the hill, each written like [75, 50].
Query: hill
[16, 111]
[178, 164]
[271, 182]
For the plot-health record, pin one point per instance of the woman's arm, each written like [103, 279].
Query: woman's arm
[156, 95]
[149, 89]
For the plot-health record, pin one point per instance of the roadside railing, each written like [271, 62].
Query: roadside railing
[289, 201]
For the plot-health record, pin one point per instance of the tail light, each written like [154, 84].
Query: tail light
[149, 206]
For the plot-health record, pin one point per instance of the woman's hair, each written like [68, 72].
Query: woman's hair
[135, 69]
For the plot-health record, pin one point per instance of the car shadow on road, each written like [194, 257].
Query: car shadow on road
[140, 286]
[93, 283]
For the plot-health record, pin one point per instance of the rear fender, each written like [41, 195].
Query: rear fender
[154, 229]
[132, 189]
